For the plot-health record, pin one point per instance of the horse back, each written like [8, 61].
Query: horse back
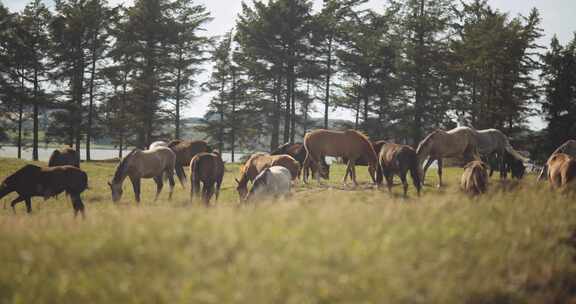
[207, 167]
[287, 162]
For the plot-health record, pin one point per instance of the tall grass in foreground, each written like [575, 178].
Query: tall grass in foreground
[325, 244]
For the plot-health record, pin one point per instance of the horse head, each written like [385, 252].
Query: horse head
[116, 189]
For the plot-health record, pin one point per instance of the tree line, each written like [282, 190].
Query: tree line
[402, 70]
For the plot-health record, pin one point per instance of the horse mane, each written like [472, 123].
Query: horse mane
[427, 139]
[121, 168]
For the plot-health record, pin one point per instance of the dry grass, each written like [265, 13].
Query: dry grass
[326, 244]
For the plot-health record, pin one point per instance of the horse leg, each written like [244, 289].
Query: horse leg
[503, 169]
[305, 168]
[439, 172]
[28, 205]
[136, 186]
[404, 182]
[218, 184]
[14, 202]
[426, 166]
[389, 180]
[347, 172]
[171, 183]
[353, 170]
[159, 185]
[77, 205]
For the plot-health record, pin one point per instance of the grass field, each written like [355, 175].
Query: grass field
[329, 244]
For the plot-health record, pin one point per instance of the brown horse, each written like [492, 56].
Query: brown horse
[398, 159]
[32, 180]
[185, 150]
[458, 142]
[298, 152]
[157, 164]
[64, 156]
[207, 168]
[474, 180]
[362, 161]
[568, 147]
[350, 144]
[561, 170]
[260, 161]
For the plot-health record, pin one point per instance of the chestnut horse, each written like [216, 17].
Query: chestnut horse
[351, 144]
[185, 150]
[568, 147]
[561, 170]
[298, 152]
[458, 142]
[207, 168]
[260, 161]
[64, 156]
[474, 180]
[398, 159]
[32, 180]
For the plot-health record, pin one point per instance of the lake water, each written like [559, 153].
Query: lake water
[96, 154]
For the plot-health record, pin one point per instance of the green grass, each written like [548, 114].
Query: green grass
[328, 244]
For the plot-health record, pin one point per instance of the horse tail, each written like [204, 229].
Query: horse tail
[515, 153]
[415, 171]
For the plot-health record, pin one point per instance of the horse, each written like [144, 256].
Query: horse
[351, 144]
[260, 161]
[398, 159]
[138, 164]
[458, 142]
[561, 170]
[298, 152]
[512, 164]
[273, 181]
[474, 180]
[377, 145]
[207, 168]
[185, 150]
[31, 180]
[493, 141]
[64, 156]
[156, 144]
[568, 147]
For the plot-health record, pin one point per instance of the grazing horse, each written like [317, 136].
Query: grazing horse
[64, 156]
[561, 170]
[298, 152]
[207, 168]
[568, 147]
[260, 161]
[512, 164]
[458, 142]
[185, 150]
[474, 180]
[273, 181]
[493, 141]
[32, 180]
[398, 159]
[156, 144]
[350, 144]
[138, 164]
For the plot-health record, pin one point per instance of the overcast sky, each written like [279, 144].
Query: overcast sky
[558, 17]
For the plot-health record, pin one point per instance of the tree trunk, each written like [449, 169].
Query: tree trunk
[233, 129]
[35, 118]
[20, 117]
[221, 110]
[275, 138]
[178, 85]
[293, 118]
[328, 80]
[91, 100]
[287, 109]
[419, 86]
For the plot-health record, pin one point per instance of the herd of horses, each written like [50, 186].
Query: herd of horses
[273, 174]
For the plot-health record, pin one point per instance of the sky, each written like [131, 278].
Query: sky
[558, 17]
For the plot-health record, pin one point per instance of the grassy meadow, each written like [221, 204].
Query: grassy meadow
[326, 244]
